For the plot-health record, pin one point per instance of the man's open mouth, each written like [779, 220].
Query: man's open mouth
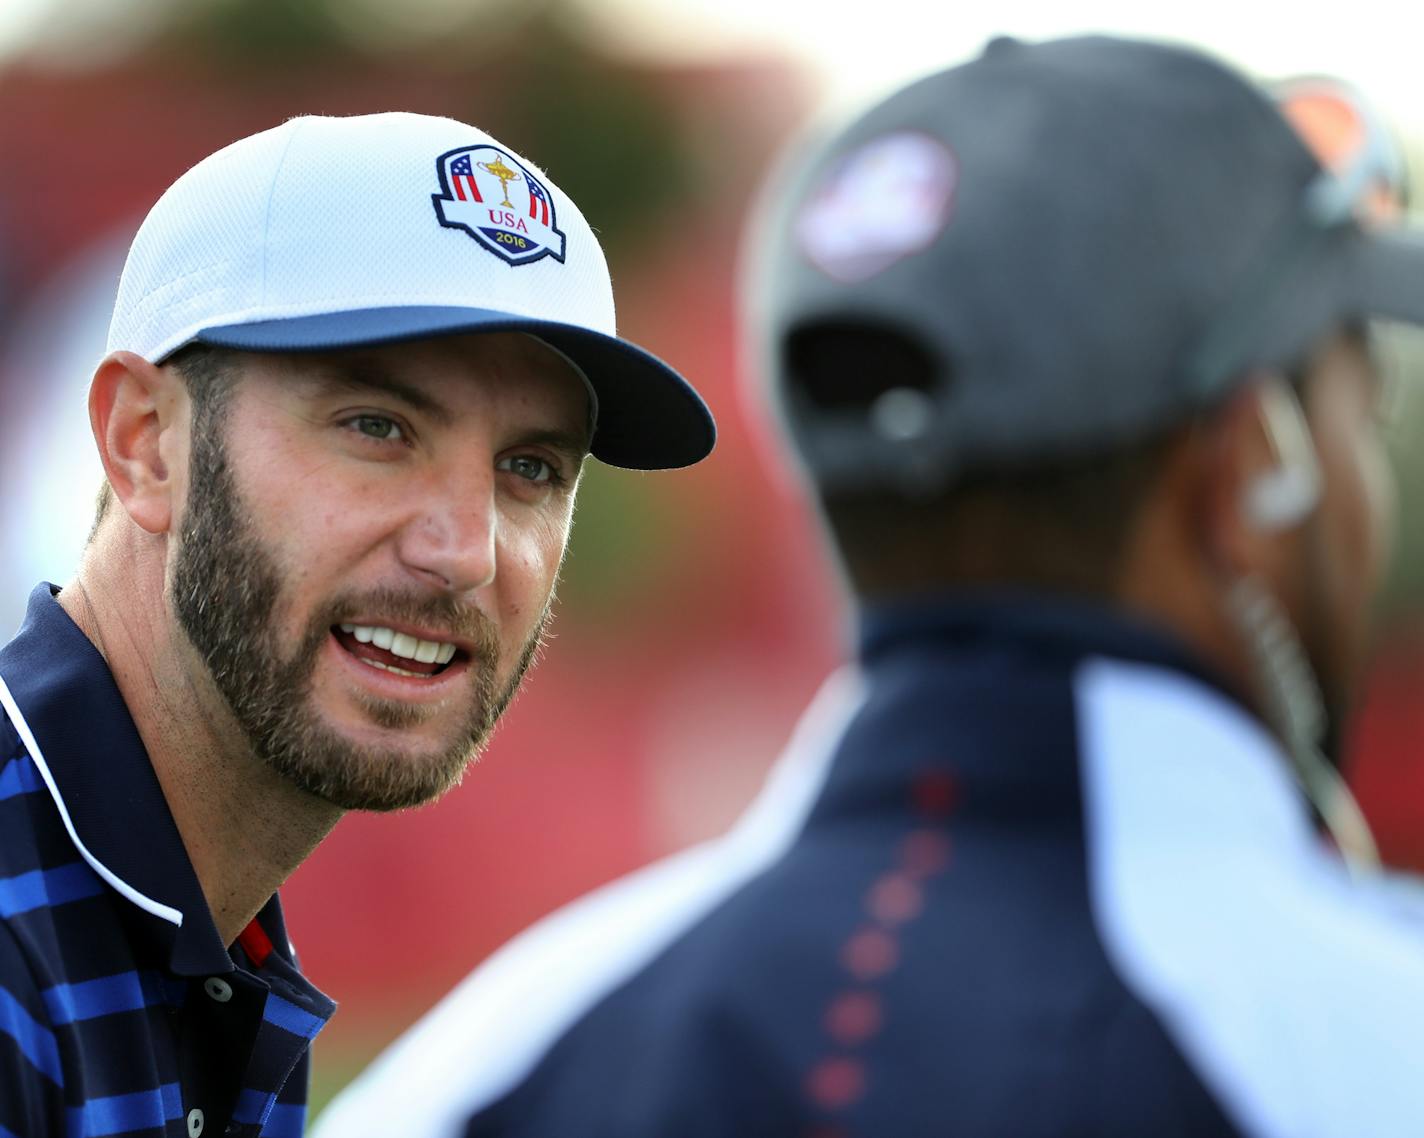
[393, 651]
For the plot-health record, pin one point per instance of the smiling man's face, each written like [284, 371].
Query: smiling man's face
[368, 551]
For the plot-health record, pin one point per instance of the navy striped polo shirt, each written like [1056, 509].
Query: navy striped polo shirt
[121, 1010]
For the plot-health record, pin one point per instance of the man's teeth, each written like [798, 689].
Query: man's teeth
[392, 668]
[402, 644]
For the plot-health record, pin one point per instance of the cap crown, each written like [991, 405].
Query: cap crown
[327, 215]
[1104, 201]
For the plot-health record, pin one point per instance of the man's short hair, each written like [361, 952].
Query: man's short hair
[1062, 525]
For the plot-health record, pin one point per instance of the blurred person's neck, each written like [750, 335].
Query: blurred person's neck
[1157, 566]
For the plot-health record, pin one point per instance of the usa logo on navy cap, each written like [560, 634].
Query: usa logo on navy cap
[499, 202]
[888, 198]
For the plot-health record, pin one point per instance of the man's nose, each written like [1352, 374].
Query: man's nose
[452, 539]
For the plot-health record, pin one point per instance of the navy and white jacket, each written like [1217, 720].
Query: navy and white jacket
[121, 1010]
[1027, 870]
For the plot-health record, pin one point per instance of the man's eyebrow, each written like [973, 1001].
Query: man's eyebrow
[573, 443]
[365, 375]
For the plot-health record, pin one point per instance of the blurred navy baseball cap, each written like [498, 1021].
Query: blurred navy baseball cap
[340, 232]
[1057, 248]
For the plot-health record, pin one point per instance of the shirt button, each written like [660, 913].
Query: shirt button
[195, 1123]
[219, 990]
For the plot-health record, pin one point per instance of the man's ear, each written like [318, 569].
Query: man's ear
[1261, 481]
[133, 406]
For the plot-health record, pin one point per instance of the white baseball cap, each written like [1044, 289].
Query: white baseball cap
[328, 233]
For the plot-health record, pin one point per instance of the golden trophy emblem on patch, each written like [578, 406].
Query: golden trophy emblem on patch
[505, 176]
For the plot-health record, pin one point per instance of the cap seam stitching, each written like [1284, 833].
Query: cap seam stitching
[142, 309]
[267, 211]
[158, 316]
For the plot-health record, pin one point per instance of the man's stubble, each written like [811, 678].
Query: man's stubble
[227, 595]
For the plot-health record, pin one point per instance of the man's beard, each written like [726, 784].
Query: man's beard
[227, 595]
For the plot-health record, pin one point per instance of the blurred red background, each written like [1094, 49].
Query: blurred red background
[697, 614]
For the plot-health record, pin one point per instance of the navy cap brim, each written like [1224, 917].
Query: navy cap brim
[649, 417]
[1388, 276]
[1335, 275]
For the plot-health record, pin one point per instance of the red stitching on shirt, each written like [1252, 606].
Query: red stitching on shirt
[255, 943]
[936, 794]
[870, 954]
[894, 901]
[836, 1082]
[853, 1017]
[924, 853]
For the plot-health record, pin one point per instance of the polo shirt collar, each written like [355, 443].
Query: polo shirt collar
[73, 720]
[1052, 626]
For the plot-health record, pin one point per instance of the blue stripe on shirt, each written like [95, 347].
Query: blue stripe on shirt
[90, 999]
[19, 776]
[42, 888]
[287, 1120]
[142, 1110]
[86, 966]
[252, 1106]
[35, 1041]
[289, 1017]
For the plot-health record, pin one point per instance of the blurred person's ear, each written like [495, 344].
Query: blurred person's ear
[1284, 496]
[134, 407]
[1258, 478]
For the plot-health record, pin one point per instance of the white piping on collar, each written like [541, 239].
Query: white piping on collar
[147, 904]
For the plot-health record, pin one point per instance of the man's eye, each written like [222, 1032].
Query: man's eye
[378, 427]
[527, 466]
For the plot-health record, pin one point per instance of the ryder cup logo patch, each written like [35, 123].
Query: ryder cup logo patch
[882, 202]
[499, 202]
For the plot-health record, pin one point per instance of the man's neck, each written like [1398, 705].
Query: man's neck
[244, 826]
